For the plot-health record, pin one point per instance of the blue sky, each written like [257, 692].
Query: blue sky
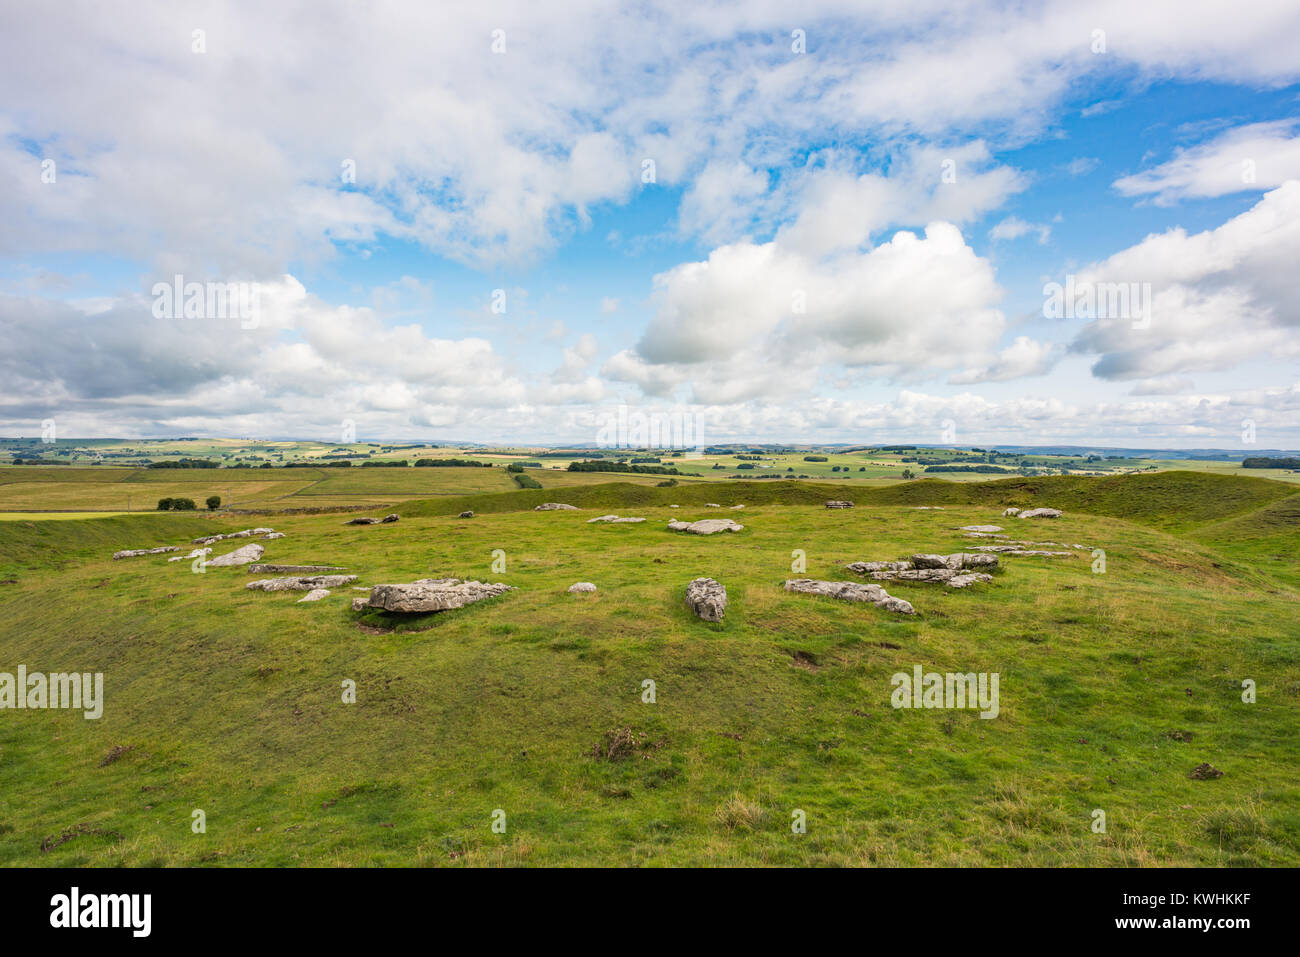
[848, 242]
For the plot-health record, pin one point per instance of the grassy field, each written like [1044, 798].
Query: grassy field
[109, 475]
[1114, 686]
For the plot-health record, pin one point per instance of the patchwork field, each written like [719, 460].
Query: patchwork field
[110, 475]
[1114, 686]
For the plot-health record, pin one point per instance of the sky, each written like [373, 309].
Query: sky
[965, 223]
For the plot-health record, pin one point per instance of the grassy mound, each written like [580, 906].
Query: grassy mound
[1266, 539]
[31, 545]
[1171, 500]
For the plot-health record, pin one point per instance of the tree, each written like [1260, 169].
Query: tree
[214, 502]
[183, 505]
[907, 473]
[165, 504]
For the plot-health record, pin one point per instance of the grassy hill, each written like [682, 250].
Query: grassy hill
[1171, 500]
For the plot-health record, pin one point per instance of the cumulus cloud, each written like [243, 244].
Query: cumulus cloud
[837, 208]
[304, 361]
[756, 318]
[1216, 298]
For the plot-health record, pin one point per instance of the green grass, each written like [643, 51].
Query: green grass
[53, 516]
[229, 700]
[1171, 500]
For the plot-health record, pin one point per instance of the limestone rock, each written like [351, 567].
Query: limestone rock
[260, 569]
[1008, 513]
[1036, 551]
[274, 535]
[244, 555]
[316, 594]
[389, 518]
[135, 552]
[851, 591]
[838, 504]
[301, 583]
[954, 570]
[614, 519]
[433, 594]
[465, 515]
[1041, 513]
[968, 578]
[707, 598]
[554, 506]
[712, 505]
[581, 587]
[981, 528]
[360, 604]
[362, 521]
[197, 553]
[864, 568]
[706, 526]
[916, 575]
[246, 533]
[936, 561]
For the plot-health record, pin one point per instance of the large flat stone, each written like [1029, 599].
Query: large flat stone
[706, 526]
[301, 583]
[851, 591]
[433, 594]
[261, 569]
[244, 555]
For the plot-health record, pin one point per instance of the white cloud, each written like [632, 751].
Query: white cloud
[721, 202]
[304, 361]
[754, 318]
[794, 170]
[229, 161]
[1013, 227]
[1218, 298]
[1170, 386]
[1246, 159]
[837, 208]
[1024, 357]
